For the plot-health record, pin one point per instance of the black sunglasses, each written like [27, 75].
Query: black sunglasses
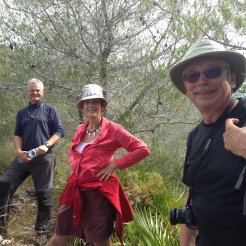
[211, 72]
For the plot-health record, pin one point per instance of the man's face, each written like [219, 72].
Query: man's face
[208, 83]
[35, 93]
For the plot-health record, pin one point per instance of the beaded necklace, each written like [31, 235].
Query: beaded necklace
[93, 133]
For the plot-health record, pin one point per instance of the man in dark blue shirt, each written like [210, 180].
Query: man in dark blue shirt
[38, 128]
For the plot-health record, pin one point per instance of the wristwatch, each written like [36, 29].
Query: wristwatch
[48, 145]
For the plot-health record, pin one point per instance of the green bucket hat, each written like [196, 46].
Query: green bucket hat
[235, 60]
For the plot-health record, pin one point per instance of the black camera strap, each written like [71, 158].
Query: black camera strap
[238, 186]
[215, 129]
[239, 183]
[209, 141]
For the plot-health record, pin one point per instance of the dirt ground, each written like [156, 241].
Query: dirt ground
[23, 215]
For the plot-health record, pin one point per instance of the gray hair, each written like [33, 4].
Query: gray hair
[35, 82]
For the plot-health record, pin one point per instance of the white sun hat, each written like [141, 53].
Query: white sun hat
[92, 91]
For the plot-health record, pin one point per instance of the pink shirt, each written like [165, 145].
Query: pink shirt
[100, 153]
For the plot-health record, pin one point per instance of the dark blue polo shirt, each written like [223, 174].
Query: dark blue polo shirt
[35, 124]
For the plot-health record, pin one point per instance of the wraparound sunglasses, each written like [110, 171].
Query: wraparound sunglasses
[211, 72]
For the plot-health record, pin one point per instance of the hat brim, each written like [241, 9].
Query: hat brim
[235, 60]
[92, 97]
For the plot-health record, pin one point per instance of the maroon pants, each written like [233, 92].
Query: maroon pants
[98, 216]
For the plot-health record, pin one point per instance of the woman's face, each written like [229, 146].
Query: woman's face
[92, 108]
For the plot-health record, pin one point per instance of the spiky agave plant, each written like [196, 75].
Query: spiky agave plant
[153, 228]
[75, 241]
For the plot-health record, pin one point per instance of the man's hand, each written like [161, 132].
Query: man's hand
[235, 138]
[23, 156]
[42, 149]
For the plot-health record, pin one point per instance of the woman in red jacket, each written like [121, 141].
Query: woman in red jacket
[93, 198]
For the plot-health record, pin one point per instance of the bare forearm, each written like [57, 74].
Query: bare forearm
[17, 144]
[42, 149]
[187, 236]
[18, 149]
[53, 139]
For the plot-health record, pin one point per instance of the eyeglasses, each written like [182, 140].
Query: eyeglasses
[211, 72]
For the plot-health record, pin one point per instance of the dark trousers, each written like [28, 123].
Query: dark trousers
[41, 169]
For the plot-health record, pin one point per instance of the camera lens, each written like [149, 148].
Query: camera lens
[173, 214]
[177, 216]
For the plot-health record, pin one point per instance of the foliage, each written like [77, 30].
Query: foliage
[152, 229]
[128, 48]
[70, 43]
[152, 195]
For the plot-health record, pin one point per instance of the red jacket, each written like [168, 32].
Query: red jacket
[96, 156]
[100, 153]
[111, 189]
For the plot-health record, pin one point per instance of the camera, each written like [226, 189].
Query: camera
[31, 153]
[183, 216]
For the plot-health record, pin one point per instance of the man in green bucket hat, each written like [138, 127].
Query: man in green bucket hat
[215, 163]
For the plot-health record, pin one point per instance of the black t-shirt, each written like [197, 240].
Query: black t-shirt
[217, 205]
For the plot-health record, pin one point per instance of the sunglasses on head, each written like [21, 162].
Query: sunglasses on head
[211, 72]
